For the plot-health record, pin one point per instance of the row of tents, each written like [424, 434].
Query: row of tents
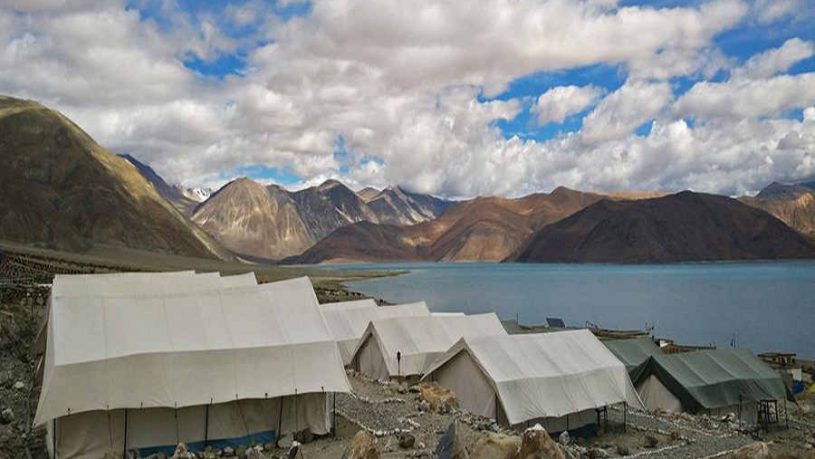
[145, 361]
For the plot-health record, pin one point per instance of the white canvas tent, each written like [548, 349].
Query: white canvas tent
[152, 367]
[239, 280]
[405, 346]
[558, 379]
[348, 305]
[349, 320]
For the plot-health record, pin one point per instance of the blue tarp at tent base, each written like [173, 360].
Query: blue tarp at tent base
[247, 440]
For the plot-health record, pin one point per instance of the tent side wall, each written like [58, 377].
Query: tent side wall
[471, 386]
[370, 361]
[91, 434]
[655, 396]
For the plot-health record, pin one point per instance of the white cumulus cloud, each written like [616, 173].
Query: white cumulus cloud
[558, 103]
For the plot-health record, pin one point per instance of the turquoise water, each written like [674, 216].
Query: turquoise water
[764, 306]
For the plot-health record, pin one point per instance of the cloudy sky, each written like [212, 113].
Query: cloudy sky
[451, 97]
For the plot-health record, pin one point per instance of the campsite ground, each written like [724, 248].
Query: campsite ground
[383, 408]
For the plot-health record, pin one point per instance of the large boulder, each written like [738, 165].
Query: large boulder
[537, 444]
[496, 446]
[440, 398]
[757, 450]
[451, 444]
[363, 446]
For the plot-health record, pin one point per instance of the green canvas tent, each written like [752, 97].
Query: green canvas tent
[714, 381]
[632, 352]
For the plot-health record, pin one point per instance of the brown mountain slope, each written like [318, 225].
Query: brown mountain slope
[255, 220]
[682, 227]
[278, 223]
[792, 204]
[486, 229]
[60, 189]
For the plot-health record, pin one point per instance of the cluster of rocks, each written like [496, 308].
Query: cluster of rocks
[266, 451]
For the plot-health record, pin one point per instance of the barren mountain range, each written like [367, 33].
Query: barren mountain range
[60, 189]
[681, 227]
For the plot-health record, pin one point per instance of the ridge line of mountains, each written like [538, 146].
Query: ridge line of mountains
[60, 189]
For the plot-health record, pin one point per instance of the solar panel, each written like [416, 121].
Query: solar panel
[554, 322]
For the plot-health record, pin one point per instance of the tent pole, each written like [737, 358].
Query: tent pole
[110, 430]
[740, 410]
[786, 414]
[625, 415]
[175, 415]
[206, 424]
[280, 419]
[296, 414]
[124, 443]
[54, 437]
[334, 414]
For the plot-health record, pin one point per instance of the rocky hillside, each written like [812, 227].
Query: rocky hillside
[793, 204]
[60, 189]
[677, 228]
[252, 219]
[485, 229]
[271, 222]
[176, 195]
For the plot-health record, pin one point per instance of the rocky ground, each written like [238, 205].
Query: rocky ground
[19, 325]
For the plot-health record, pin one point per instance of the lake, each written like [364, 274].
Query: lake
[763, 306]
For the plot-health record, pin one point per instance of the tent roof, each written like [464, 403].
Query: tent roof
[713, 378]
[417, 337]
[633, 352]
[348, 305]
[239, 280]
[349, 321]
[547, 374]
[154, 348]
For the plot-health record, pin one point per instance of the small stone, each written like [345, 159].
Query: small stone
[228, 451]
[285, 441]
[424, 406]
[6, 416]
[623, 450]
[19, 385]
[181, 452]
[255, 453]
[651, 441]
[295, 452]
[304, 436]
[564, 438]
[406, 440]
[414, 389]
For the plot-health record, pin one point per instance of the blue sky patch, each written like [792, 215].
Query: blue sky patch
[282, 176]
